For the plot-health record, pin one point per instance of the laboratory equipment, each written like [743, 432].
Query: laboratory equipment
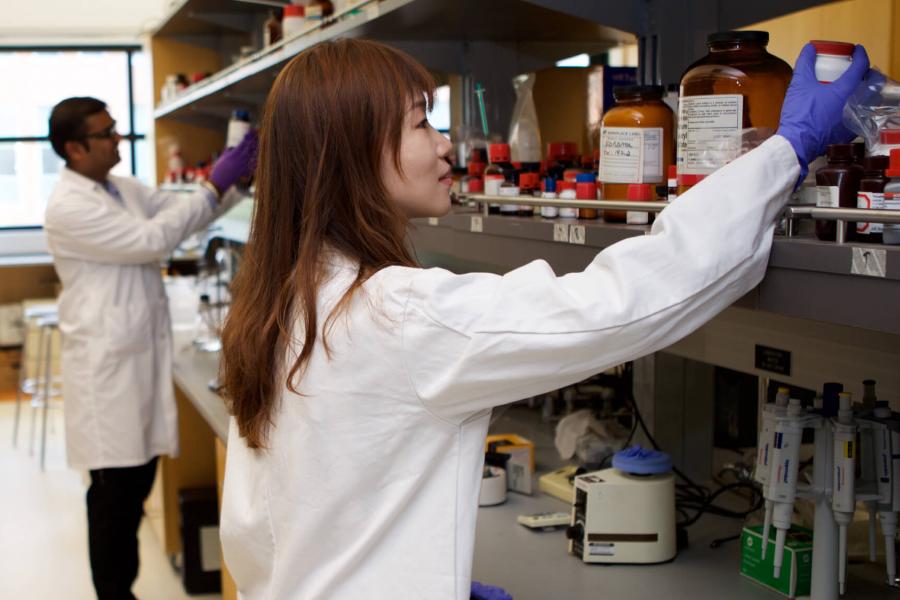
[493, 486]
[771, 411]
[625, 514]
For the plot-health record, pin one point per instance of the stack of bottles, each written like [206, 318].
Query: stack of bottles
[564, 174]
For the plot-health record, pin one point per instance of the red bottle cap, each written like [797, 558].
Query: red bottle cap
[571, 174]
[835, 48]
[528, 181]
[687, 179]
[890, 136]
[476, 168]
[586, 190]
[561, 186]
[294, 10]
[673, 171]
[562, 151]
[894, 170]
[640, 192]
[476, 185]
[499, 153]
[587, 161]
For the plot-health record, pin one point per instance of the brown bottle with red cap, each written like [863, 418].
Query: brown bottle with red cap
[871, 196]
[498, 171]
[837, 185]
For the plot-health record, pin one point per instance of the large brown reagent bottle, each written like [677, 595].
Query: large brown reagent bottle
[730, 101]
[871, 195]
[636, 143]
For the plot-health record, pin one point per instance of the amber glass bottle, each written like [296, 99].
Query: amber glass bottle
[837, 185]
[636, 143]
[730, 100]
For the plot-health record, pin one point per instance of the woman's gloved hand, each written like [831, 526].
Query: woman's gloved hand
[811, 117]
[235, 163]
[481, 591]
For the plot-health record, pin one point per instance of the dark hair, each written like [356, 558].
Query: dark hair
[67, 121]
[334, 113]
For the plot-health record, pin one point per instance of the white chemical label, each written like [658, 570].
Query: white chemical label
[709, 132]
[827, 196]
[870, 200]
[631, 154]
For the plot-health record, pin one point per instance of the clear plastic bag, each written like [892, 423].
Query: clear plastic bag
[873, 107]
[524, 131]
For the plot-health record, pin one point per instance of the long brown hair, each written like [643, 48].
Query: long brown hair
[334, 113]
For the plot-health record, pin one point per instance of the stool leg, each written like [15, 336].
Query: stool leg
[37, 389]
[48, 377]
[19, 393]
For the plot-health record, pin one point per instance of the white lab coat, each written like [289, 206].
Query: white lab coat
[113, 314]
[369, 485]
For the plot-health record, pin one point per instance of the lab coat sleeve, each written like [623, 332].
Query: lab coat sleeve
[476, 341]
[82, 226]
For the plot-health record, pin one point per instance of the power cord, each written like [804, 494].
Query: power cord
[694, 500]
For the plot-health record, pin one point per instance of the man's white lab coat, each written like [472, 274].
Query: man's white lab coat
[369, 485]
[113, 314]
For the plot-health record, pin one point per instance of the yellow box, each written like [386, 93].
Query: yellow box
[520, 468]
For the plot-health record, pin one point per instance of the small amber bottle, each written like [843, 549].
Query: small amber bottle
[636, 143]
[837, 185]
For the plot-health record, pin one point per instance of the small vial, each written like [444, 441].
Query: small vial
[832, 59]
[566, 190]
[672, 183]
[638, 192]
[586, 189]
[549, 212]
[509, 189]
[528, 183]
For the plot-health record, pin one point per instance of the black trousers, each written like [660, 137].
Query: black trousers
[115, 505]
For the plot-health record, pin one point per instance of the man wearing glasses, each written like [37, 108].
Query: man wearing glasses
[108, 235]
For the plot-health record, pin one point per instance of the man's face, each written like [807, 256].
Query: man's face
[100, 151]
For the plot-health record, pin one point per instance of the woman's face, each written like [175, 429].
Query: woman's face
[422, 186]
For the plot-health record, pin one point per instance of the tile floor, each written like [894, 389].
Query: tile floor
[43, 528]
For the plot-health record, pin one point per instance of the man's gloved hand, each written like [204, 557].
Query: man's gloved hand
[235, 163]
[811, 117]
[481, 591]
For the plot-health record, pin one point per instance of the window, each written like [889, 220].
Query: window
[41, 77]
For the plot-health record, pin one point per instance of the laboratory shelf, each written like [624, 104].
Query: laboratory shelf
[189, 19]
[436, 31]
[806, 278]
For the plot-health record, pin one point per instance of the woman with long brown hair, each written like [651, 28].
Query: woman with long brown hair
[361, 385]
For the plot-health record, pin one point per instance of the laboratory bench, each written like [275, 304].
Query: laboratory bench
[531, 565]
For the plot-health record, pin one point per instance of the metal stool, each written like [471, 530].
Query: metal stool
[28, 381]
[48, 386]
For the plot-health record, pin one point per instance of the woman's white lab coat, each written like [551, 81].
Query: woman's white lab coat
[113, 314]
[368, 487]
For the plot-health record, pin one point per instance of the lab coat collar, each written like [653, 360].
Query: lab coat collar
[73, 178]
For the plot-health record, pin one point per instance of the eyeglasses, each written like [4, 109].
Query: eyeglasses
[108, 133]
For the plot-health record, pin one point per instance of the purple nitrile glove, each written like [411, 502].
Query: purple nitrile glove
[811, 116]
[481, 591]
[235, 163]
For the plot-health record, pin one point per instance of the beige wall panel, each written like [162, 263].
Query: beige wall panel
[867, 22]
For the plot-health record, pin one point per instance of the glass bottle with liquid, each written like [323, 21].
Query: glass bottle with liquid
[636, 143]
[730, 101]
[871, 195]
[498, 171]
[837, 185]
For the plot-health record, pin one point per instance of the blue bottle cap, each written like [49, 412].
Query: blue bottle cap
[549, 184]
[640, 461]
[585, 178]
[241, 114]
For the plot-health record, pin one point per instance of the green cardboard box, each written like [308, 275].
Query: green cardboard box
[796, 568]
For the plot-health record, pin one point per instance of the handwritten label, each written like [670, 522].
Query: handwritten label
[631, 154]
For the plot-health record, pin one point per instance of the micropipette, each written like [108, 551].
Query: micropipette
[783, 478]
[764, 454]
[843, 499]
